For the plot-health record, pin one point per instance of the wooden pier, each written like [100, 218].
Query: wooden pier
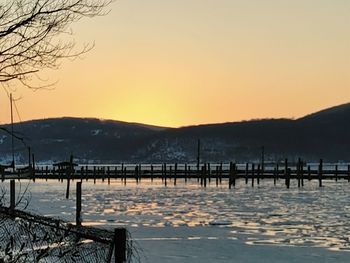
[204, 173]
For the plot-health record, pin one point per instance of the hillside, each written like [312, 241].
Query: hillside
[324, 134]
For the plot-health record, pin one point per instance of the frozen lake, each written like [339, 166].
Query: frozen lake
[187, 223]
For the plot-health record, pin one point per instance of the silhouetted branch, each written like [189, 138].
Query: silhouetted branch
[29, 35]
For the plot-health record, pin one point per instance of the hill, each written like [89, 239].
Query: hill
[324, 134]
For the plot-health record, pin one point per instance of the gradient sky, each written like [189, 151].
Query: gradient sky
[176, 63]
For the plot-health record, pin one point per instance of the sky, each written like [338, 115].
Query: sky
[185, 62]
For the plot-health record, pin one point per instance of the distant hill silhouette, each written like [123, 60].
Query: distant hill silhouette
[324, 134]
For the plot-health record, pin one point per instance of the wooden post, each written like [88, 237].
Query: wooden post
[253, 168]
[152, 173]
[258, 174]
[103, 170]
[186, 174]
[12, 195]
[220, 173]
[165, 175]
[230, 177]
[302, 173]
[109, 175]
[94, 174]
[246, 173]
[68, 174]
[217, 175]
[78, 205]
[298, 172]
[234, 171]
[137, 173]
[336, 173]
[175, 174]
[82, 173]
[320, 171]
[33, 163]
[309, 172]
[120, 245]
[286, 173]
[288, 177]
[140, 172]
[122, 170]
[209, 175]
[202, 171]
[29, 158]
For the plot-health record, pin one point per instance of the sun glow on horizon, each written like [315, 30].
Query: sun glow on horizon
[188, 62]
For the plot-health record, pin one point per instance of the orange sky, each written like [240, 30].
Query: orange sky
[183, 62]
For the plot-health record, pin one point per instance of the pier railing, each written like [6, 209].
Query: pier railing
[204, 173]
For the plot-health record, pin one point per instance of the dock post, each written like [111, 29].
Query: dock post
[320, 171]
[209, 174]
[234, 174]
[152, 173]
[258, 174]
[12, 195]
[137, 173]
[33, 168]
[336, 173]
[122, 171]
[302, 173]
[78, 205]
[108, 175]
[286, 173]
[165, 175]
[220, 173]
[298, 172]
[230, 176]
[253, 173]
[277, 174]
[94, 174]
[202, 171]
[246, 173]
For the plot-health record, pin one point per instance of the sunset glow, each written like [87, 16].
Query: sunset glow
[176, 63]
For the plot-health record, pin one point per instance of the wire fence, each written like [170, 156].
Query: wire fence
[25, 237]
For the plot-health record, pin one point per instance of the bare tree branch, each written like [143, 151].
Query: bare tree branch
[30, 33]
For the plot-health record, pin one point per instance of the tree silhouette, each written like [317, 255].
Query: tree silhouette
[30, 33]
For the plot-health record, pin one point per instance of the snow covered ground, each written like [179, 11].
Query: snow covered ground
[187, 223]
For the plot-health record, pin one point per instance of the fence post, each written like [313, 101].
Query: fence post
[120, 245]
[320, 171]
[33, 164]
[78, 205]
[12, 195]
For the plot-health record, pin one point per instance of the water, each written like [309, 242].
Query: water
[265, 217]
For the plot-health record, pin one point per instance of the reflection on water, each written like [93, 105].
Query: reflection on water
[310, 216]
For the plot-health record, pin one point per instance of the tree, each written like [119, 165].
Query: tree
[30, 33]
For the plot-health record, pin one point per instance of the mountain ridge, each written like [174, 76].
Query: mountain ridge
[323, 134]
